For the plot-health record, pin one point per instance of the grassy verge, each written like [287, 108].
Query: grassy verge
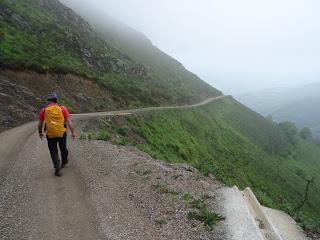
[237, 146]
[200, 212]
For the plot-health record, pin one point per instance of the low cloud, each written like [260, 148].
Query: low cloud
[234, 45]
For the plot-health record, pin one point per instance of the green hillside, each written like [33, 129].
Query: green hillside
[46, 36]
[237, 146]
[164, 69]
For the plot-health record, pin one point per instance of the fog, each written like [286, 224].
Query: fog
[235, 45]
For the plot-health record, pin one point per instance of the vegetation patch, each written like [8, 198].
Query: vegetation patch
[119, 140]
[164, 189]
[144, 174]
[199, 211]
[208, 218]
[160, 222]
[101, 135]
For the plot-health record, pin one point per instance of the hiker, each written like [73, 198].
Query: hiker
[56, 118]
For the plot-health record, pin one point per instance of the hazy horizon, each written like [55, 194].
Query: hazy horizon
[235, 46]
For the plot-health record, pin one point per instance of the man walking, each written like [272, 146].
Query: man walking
[56, 118]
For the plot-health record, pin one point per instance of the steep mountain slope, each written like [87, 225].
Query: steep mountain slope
[298, 105]
[236, 145]
[166, 70]
[46, 37]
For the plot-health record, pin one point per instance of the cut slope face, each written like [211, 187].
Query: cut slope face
[46, 36]
[22, 94]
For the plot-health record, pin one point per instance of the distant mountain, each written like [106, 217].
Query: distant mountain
[299, 105]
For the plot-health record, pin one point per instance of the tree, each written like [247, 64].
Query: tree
[270, 118]
[306, 133]
[316, 141]
[290, 130]
[306, 192]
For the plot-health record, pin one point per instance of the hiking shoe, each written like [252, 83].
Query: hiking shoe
[58, 173]
[63, 165]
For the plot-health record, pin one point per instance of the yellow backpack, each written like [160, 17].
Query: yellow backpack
[55, 122]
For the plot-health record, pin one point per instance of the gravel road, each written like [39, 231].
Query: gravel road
[106, 192]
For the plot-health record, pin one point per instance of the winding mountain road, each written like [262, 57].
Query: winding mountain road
[90, 200]
[126, 112]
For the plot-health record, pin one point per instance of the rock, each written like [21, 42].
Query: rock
[68, 35]
[86, 53]
[188, 167]
[7, 15]
[19, 21]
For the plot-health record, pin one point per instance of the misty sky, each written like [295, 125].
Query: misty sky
[235, 45]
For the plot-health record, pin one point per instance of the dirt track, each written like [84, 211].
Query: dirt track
[101, 195]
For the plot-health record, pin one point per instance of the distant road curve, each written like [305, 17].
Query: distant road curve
[148, 109]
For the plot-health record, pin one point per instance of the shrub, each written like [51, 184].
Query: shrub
[208, 218]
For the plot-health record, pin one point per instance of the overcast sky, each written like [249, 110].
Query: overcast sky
[235, 45]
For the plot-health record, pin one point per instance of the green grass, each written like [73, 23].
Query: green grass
[186, 197]
[239, 147]
[199, 211]
[164, 189]
[119, 140]
[160, 222]
[144, 174]
[101, 135]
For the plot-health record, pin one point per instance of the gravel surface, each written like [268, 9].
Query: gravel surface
[35, 204]
[106, 192]
[137, 197]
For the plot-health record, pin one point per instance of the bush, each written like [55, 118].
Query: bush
[103, 135]
[208, 218]
[306, 133]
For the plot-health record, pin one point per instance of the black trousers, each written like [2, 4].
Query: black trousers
[53, 148]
